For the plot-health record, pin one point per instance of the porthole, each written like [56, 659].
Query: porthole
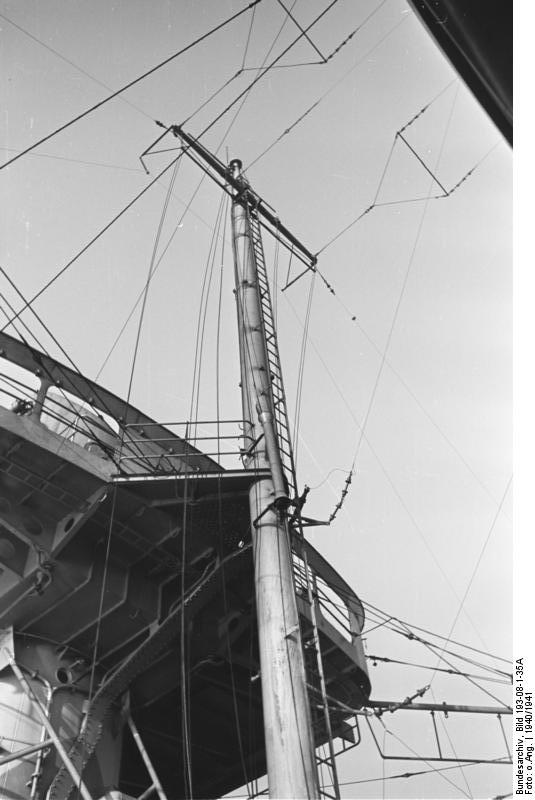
[63, 675]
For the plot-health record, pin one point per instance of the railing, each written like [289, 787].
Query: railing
[135, 448]
[222, 440]
[336, 603]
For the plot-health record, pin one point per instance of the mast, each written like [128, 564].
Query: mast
[289, 743]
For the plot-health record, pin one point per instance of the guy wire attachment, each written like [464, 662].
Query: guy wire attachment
[150, 152]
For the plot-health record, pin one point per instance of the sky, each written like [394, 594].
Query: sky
[414, 345]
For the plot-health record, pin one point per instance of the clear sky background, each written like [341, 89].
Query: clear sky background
[425, 366]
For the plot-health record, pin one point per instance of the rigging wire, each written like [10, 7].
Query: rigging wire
[426, 199]
[409, 626]
[384, 659]
[184, 672]
[309, 40]
[193, 417]
[236, 74]
[29, 332]
[186, 210]
[187, 207]
[383, 760]
[380, 463]
[400, 298]
[219, 235]
[478, 562]
[275, 283]
[62, 349]
[245, 346]
[389, 338]
[411, 750]
[359, 27]
[189, 204]
[150, 275]
[339, 47]
[394, 488]
[213, 95]
[447, 192]
[331, 471]
[96, 80]
[301, 366]
[72, 64]
[402, 381]
[406, 629]
[445, 728]
[109, 535]
[22, 323]
[364, 633]
[419, 772]
[324, 364]
[163, 63]
[49, 283]
[420, 160]
[425, 411]
[248, 355]
[244, 95]
[249, 32]
[345, 490]
[264, 70]
[387, 163]
[336, 84]
[201, 317]
[434, 649]
[77, 160]
[100, 610]
[412, 637]
[406, 632]
[30, 395]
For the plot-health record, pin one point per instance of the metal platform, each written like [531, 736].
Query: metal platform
[170, 542]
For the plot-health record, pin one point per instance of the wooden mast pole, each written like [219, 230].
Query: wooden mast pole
[291, 765]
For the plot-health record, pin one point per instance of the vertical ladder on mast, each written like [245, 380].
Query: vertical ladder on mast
[318, 701]
[253, 208]
[273, 358]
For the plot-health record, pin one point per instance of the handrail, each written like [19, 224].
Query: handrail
[350, 614]
[141, 446]
[50, 371]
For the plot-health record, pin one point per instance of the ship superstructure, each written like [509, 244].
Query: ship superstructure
[130, 654]
[166, 630]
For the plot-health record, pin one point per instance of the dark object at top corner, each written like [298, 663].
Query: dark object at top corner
[477, 38]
